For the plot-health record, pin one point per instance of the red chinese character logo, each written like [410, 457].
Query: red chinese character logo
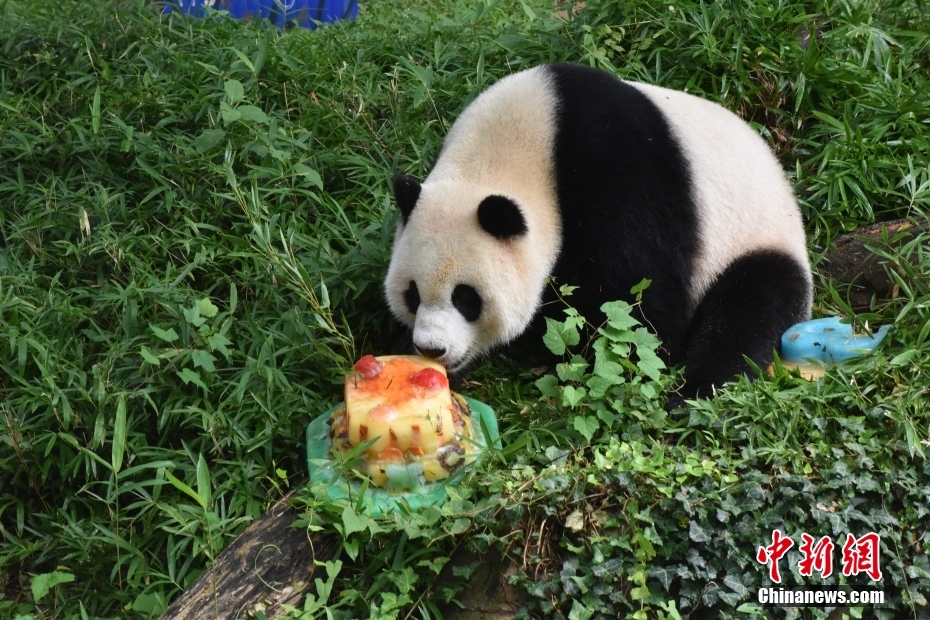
[817, 557]
[774, 552]
[861, 556]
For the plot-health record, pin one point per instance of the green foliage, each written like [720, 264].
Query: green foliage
[626, 381]
[42, 584]
[195, 224]
[839, 88]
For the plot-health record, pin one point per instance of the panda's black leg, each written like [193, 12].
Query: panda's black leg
[744, 313]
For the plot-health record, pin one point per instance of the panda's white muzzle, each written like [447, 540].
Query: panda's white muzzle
[444, 335]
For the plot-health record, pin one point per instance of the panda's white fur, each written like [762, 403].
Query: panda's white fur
[444, 244]
[503, 144]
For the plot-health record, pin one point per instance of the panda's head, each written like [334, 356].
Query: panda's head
[467, 269]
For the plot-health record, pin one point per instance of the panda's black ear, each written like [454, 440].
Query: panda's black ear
[406, 192]
[501, 217]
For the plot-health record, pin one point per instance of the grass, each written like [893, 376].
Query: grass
[196, 218]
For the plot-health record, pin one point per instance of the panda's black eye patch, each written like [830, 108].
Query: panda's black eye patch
[412, 297]
[467, 301]
[501, 217]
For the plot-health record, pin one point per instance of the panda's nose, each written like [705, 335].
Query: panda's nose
[430, 353]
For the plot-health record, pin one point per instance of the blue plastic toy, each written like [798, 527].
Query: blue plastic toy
[826, 341]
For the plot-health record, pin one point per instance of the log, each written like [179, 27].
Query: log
[861, 272]
[267, 566]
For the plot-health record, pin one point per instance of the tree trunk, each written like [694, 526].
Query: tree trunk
[857, 269]
[267, 566]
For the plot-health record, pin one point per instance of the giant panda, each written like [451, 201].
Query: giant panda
[567, 171]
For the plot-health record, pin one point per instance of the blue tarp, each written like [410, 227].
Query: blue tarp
[280, 12]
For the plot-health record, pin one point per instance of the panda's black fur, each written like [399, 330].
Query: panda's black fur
[626, 198]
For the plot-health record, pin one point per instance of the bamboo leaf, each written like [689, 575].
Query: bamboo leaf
[204, 487]
[119, 435]
[180, 486]
[95, 112]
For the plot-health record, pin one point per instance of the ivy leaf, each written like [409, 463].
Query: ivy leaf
[579, 611]
[459, 526]
[618, 315]
[664, 575]
[587, 426]
[643, 338]
[729, 505]
[353, 522]
[192, 315]
[639, 288]
[573, 319]
[734, 584]
[622, 349]
[203, 359]
[434, 565]
[234, 90]
[556, 455]
[228, 114]
[604, 414]
[390, 602]
[572, 370]
[750, 608]
[608, 369]
[189, 376]
[560, 335]
[206, 307]
[405, 579]
[548, 386]
[645, 550]
[572, 396]
[151, 604]
[598, 386]
[219, 342]
[208, 140]
[650, 364]
[648, 390]
[252, 114]
[168, 336]
[43, 584]
[697, 533]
